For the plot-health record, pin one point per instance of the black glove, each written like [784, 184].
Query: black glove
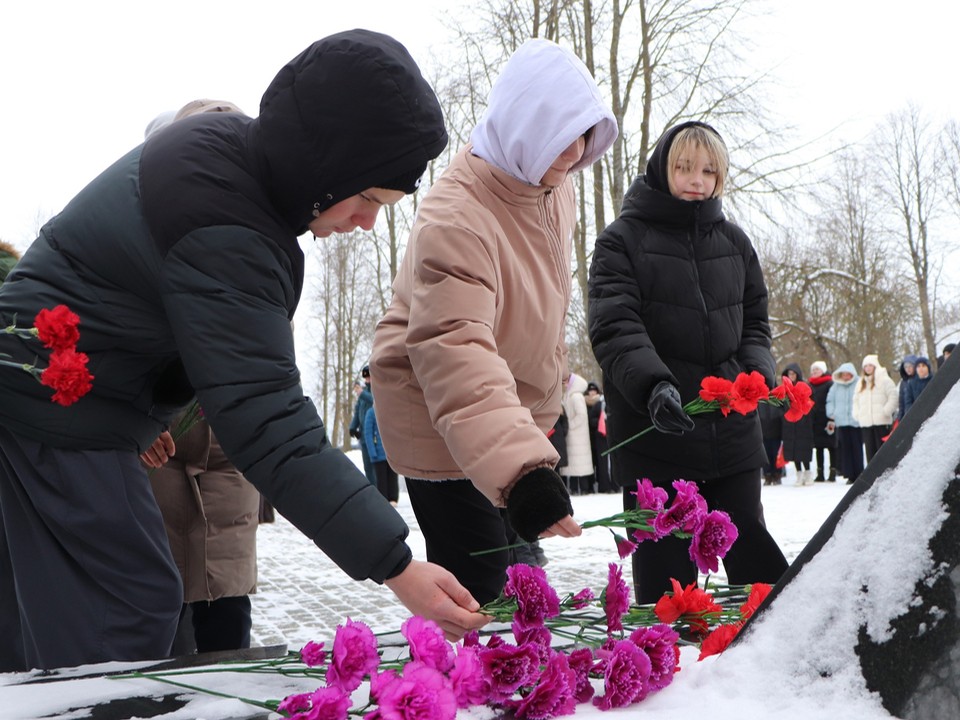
[355, 434]
[536, 501]
[666, 411]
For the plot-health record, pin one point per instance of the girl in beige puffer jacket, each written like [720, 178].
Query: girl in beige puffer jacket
[875, 403]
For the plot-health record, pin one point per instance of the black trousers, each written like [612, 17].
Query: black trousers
[457, 519]
[849, 451]
[872, 438]
[824, 470]
[754, 557]
[86, 573]
[387, 481]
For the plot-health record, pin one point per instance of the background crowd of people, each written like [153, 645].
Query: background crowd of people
[853, 414]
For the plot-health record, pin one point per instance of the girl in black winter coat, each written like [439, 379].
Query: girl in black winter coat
[677, 294]
[798, 436]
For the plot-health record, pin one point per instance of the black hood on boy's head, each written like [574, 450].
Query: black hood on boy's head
[657, 174]
[351, 112]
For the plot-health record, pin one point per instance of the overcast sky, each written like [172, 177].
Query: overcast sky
[79, 81]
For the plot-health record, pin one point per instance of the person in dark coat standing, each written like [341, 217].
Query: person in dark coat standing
[771, 427]
[798, 436]
[183, 264]
[824, 435]
[598, 441]
[917, 384]
[676, 293]
[907, 370]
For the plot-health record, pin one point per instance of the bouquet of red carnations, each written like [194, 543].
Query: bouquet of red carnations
[66, 371]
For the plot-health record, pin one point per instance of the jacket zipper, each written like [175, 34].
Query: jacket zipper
[707, 363]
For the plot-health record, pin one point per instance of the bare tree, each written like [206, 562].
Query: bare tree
[910, 160]
[344, 299]
[834, 287]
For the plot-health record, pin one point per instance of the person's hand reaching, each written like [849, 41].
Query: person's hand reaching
[433, 593]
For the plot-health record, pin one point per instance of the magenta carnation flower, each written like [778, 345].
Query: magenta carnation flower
[684, 513]
[659, 642]
[421, 693]
[508, 667]
[328, 703]
[581, 662]
[712, 539]
[354, 656]
[625, 675]
[616, 598]
[581, 599]
[292, 704]
[312, 654]
[470, 687]
[536, 599]
[625, 548]
[537, 635]
[427, 643]
[652, 498]
[553, 695]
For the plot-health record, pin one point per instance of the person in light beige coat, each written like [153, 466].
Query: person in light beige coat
[875, 404]
[578, 470]
[469, 361]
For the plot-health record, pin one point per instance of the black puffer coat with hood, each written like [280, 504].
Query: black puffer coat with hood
[676, 293]
[183, 263]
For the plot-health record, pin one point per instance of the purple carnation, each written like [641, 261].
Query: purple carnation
[312, 654]
[581, 662]
[553, 694]
[659, 642]
[625, 548]
[625, 676]
[294, 703]
[684, 513]
[421, 693]
[328, 703]
[712, 539]
[354, 656]
[470, 687]
[427, 643]
[536, 599]
[538, 636]
[582, 599]
[616, 598]
[508, 668]
[652, 499]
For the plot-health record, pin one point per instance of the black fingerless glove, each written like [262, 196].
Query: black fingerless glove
[536, 501]
[666, 411]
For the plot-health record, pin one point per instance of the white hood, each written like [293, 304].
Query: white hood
[544, 99]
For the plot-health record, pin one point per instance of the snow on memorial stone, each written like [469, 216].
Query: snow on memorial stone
[871, 602]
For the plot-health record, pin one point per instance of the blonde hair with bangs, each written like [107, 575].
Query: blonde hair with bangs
[691, 138]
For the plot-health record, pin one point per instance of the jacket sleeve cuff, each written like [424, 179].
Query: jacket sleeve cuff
[536, 501]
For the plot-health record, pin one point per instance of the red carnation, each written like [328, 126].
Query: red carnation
[798, 395]
[748, 391]
[717, 389]
[717, 641]
[691, 604]
[57, 328]
[758, 593]
[68, 375]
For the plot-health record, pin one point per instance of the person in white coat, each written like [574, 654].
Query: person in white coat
[875, 404]
[578, 472]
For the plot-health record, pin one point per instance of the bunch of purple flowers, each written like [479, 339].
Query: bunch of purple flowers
[526, 674]
[711, 533]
